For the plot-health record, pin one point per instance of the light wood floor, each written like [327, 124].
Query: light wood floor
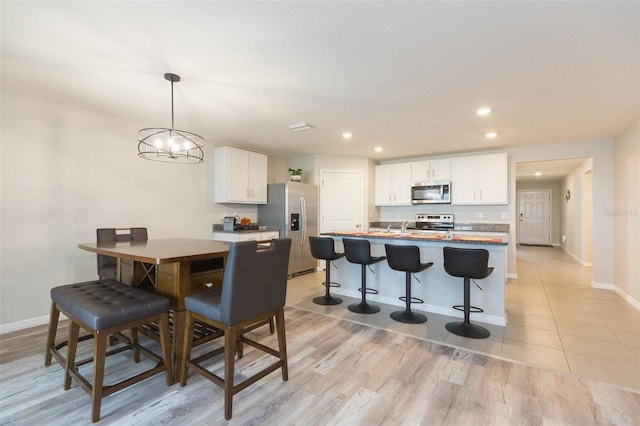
[340, 372]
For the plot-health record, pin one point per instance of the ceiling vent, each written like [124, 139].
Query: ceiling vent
[297, 127]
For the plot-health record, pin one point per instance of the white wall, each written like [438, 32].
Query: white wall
[66, 172]
[626, 212]
[576, 212]
[312, 164]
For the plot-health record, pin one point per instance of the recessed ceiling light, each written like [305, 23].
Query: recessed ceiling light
[347, 135]
[538, 174]
[378, 149]
[491, 135]
[483, 111]
[296, 127]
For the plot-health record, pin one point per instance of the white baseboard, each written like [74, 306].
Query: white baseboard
[602, 286]
[630, 300]
[627, 298]
[577, 259]
[21, 325]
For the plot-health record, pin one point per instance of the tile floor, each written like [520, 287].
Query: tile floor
[555, 320]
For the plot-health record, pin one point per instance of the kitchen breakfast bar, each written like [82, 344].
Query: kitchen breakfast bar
[436, 288]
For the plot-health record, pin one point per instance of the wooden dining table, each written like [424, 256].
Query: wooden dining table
[182, 266]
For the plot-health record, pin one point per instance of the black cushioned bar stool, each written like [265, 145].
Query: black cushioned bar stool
[106, 307]
[324, 248]
[359, 251]
[406, 259]
[467, 264]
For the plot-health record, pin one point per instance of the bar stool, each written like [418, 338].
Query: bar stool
[103, 308]
[359, 251]
[324, 248]
[406, 259]
[467, 264]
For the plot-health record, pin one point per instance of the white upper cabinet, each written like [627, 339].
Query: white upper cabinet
[480, 179]
[430, 170]
[393, 185]
[241, 176]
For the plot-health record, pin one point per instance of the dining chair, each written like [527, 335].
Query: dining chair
[107, 265]
[254, 289]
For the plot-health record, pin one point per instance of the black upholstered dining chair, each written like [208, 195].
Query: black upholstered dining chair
[107, 265]
[254, 289]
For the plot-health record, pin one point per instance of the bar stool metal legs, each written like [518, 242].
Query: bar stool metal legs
[408, 316]
[363, 307]
[328, 299]
[466, 328]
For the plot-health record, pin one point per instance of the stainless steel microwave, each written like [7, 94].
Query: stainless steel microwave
[437, 192]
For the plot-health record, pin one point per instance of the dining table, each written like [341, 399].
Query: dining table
[176, 267]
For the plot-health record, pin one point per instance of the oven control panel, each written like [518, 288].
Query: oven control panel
[422, 217]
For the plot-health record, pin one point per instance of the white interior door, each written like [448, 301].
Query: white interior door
[535, 217]
[341, 205]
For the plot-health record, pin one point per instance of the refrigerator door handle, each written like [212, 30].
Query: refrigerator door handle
[303, 211]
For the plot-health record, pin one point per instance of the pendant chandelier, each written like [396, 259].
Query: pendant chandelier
[170, 145]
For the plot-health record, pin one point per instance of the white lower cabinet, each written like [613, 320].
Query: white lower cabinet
[233, 237]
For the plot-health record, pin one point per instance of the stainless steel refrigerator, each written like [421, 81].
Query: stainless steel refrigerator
[292, 208]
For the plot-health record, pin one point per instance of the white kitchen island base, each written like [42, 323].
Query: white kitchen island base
[439, 291]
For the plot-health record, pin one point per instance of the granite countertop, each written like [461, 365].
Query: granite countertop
[462, 239]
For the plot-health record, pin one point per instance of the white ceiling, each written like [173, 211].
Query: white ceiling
[407, 76]
[548, 170]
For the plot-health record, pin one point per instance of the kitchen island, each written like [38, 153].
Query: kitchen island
[439, 290]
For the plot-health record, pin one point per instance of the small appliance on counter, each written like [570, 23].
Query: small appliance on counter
[232, 224]
[229, 224]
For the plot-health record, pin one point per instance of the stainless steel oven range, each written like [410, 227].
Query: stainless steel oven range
[433, 222]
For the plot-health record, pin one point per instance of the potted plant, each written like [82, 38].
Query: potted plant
[295, 174]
